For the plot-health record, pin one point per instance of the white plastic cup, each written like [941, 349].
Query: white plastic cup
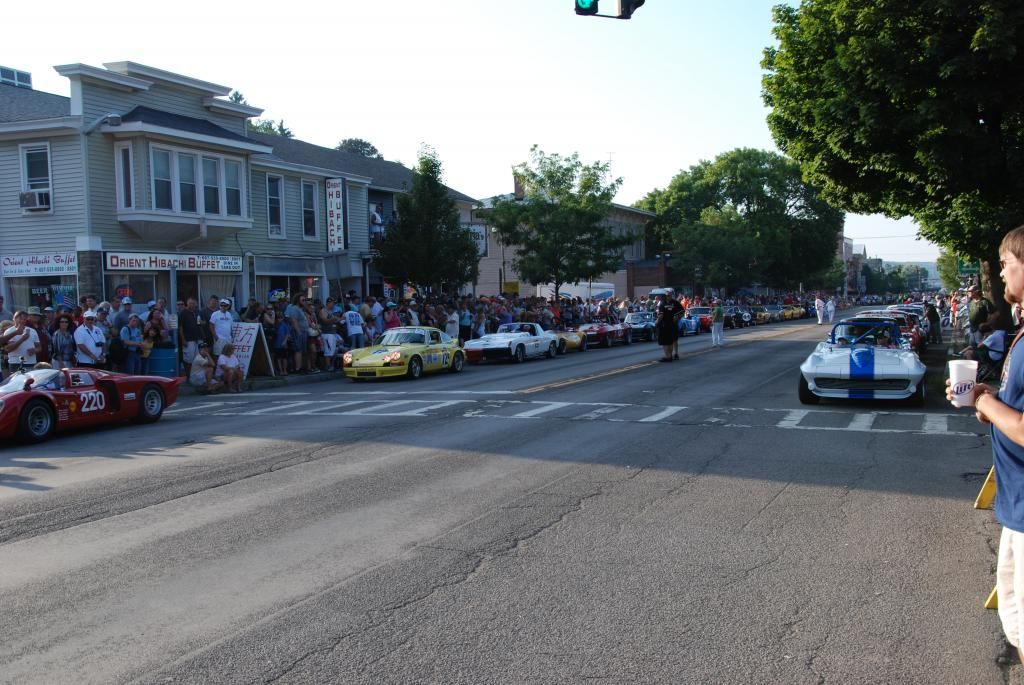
[963, 374]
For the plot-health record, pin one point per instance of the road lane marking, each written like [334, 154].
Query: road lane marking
[861, 422]
[421, 411]
[423, 392]
[321, 410]
[606, 408]
[277, 394]
[204, 405]
[379, 408]
[663, 414]
[936, 423]
[537, 411]
[590, 377]
[275, 408]
[794, 417]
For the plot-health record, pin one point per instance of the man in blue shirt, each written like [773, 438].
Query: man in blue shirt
[1004, 412]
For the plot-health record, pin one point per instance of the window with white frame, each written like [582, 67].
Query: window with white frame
[275, 206]
[163, 180]
[211, 185]
[185, 181]
[233, 187]
[310, 215]
[124, 168]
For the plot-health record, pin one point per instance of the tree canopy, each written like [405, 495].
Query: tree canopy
[269, 127]
[559, 227]
[909, 109]
[746, 217]
[359, 147]
[428, 246]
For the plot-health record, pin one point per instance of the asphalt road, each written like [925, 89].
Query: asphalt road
[597, 517]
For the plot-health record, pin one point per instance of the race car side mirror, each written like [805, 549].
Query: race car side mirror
[28, 383]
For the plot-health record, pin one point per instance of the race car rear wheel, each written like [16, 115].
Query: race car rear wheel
[36, 422]
[519, 355]
[561, 347]
[583, 344]
[151, 404]
[805, 394]
[458, 361]
[607, 341]
[628, 339]
[415, 368]
[552, 351]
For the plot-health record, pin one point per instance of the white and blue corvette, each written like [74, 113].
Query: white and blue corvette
[863, 358]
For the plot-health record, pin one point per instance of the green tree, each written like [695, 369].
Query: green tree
[237, 98]
[359, 147]
[558, 227]
[909, 109]
[946, 265]
[269, 127]
[783, 230]
[429, 246]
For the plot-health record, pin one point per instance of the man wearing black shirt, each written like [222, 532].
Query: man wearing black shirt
[189, 330]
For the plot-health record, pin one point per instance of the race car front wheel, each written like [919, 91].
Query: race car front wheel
[36, 422]
[805, 394]
[151, 404]
[552, 351]
[520, 355]
[458, 361]
[415, 368]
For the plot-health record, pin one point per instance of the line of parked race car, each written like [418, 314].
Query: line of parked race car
[411, 351]
[873, 355]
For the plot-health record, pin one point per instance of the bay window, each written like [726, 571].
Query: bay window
[188, 182]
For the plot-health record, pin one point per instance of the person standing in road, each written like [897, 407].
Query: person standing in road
[717, 324]
[819, 308]
[1003, 410]
[667, 324]
[830, 309]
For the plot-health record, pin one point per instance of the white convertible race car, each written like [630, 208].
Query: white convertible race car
[516, 341]
[863, 358]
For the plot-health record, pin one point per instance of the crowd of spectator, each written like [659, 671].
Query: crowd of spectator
[304, 335]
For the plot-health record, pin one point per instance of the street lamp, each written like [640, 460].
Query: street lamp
[664, 257]
[501, 269]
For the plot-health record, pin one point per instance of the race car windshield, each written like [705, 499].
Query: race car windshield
[401, 338]
[859, 333]
[39, 378]
[699, 310]
[514, 328]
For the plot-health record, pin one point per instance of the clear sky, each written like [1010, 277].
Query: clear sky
[479, 81]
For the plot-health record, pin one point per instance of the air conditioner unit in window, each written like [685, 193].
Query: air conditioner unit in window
[35, 200]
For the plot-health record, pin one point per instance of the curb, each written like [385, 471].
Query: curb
[256, 384]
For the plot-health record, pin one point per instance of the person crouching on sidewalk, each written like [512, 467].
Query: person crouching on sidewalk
[202, 370]
[229, 371]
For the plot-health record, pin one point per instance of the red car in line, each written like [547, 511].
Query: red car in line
[35, 404]
[703, 315]
[605, 333]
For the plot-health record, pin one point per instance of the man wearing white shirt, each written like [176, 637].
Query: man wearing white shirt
[89, 340]
[220, 325]
[354, 329]
[21, 343]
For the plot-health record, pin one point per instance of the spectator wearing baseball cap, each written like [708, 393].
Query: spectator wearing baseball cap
[90, 342]
[120, 318]
[220, 326]
[201, 371]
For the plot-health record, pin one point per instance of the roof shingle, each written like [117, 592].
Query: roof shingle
[25, 104]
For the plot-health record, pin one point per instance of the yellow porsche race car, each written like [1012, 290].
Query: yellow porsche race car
[408, 351]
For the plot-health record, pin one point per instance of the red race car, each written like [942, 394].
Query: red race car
[34, 404]
[605, 333]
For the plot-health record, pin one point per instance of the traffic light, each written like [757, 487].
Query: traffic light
[588, 7]
[627, 7]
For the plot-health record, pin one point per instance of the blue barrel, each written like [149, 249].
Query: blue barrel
[162, 361]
